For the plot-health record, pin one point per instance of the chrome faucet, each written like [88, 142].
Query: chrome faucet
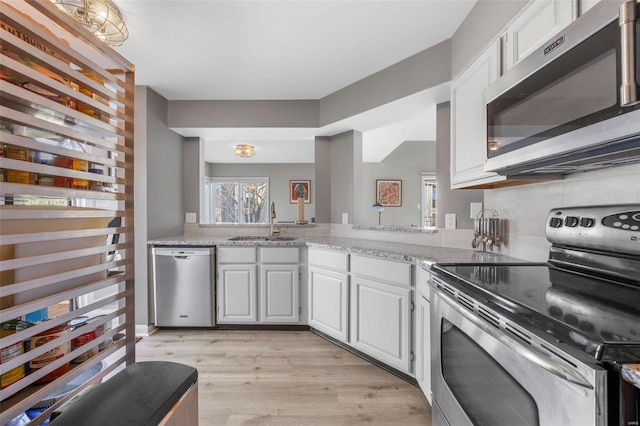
[272, 215]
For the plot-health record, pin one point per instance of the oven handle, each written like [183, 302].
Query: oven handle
[532, 355]
[629, 85]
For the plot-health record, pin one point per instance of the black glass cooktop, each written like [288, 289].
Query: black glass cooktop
[592, 314]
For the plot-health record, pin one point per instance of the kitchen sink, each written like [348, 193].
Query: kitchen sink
[261, 238]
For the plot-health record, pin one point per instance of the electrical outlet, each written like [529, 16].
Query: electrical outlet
[450, 221]
[189, 218]
[418, 206]
[345, 218]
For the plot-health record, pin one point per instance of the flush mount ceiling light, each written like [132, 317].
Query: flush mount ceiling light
[101, 17]
[245, 151]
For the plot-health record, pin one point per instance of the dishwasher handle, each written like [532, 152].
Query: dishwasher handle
[182, 254]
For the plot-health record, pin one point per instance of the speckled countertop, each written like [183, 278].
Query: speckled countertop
[396, 251]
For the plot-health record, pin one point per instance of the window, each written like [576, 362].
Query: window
[236, 200]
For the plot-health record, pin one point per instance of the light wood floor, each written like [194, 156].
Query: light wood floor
[285, 378]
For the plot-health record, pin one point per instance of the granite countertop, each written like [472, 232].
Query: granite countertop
[384, 249]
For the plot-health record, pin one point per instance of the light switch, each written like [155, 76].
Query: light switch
[190, 218]
[475, 209]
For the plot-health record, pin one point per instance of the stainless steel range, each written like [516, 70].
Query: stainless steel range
[545, 343]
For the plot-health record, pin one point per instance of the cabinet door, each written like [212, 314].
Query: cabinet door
[279, 294]
[538, 22]
[468, 120]
[380, 322]
[329, 302]
[423, 347]
[237, 294]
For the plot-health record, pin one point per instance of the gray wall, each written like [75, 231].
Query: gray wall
[193, 175]
[323, 179]
[158, 191]
[346, 176]
[243, 113]
[450, 200]
[419, 72]
[279, 176]
[165, 172]
[481, 25]
[406, 162]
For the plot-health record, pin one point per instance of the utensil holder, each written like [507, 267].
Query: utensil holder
[488, 231]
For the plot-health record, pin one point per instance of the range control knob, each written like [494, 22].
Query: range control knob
[571, 221]
[555, 222]
[587, 222]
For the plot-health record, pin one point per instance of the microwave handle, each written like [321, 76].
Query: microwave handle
[629, 86]
[532, 355]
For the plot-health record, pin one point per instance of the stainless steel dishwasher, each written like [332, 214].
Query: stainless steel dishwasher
[183, 286]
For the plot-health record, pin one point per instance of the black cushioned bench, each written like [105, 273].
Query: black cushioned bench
[141, 394]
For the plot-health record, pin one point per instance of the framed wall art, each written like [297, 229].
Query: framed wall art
[389, 192]
[300, 189]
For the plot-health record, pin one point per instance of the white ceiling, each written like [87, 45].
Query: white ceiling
[274, 49]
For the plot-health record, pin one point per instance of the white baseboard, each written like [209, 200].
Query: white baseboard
[145, 330]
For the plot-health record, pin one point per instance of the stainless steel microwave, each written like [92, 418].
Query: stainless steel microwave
[574, 104]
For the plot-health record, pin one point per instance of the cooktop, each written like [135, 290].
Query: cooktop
[593, 314]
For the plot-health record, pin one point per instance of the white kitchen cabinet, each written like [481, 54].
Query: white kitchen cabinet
[279, 294]
[273, 297]
[423, 332]
[381, 310]
[236, 294]
[535, 25]
[329, 302]
[329, 292]
[468, 121]
[380, 322]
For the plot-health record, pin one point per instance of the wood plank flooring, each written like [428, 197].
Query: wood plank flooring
[285, 378]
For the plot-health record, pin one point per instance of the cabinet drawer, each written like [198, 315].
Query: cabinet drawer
[382, 270]
[237, 255]
[280, 255]
[329, 259]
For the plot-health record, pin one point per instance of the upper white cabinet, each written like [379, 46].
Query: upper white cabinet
[468, 128]
[539, 21]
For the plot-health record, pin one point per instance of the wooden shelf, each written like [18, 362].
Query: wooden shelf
[72, 109]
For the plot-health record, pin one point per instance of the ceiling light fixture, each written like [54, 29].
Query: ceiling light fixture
[101, 17]
[245, 151]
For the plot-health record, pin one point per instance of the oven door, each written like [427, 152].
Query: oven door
[483, 377]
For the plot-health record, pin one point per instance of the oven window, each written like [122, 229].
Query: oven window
[487, 393]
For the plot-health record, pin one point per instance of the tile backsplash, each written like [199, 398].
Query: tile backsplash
[526, 207]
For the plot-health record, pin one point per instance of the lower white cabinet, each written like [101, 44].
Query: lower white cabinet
[329, 302]
[423, 332]
[380, 322]
[237, 294]
[273, 297]
[423, 347]
[279, 294]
